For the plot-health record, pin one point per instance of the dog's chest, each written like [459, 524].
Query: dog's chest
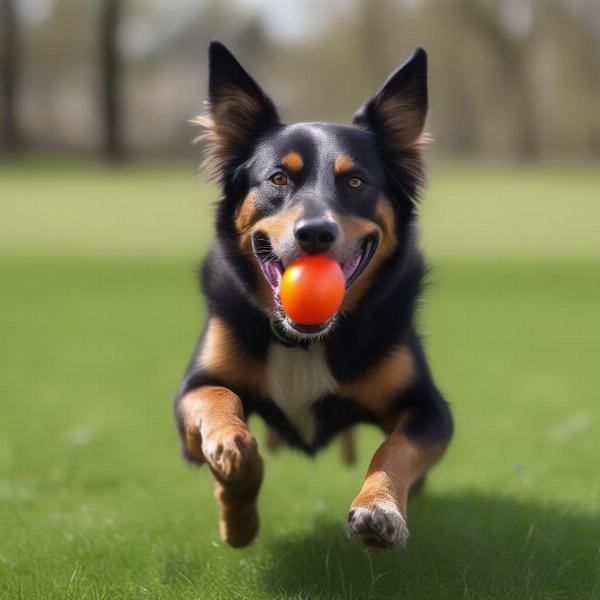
[296, 379]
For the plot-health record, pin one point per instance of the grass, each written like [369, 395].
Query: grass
[98, 315]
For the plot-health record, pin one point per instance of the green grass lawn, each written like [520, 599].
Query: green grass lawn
[98, 315]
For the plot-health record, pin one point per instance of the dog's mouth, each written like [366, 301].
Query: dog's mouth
[273, 268]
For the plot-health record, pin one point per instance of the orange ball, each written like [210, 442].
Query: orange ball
[312, 289]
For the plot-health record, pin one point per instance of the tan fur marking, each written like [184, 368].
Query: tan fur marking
[395, 467]
[210, 407]
[377, 517]
[245, 214]
[343, 165]
[215, 431]
[238, 523]
[384, 217]
[223, 357]
[293, 162]
[276, 227]
[245, 219]
[356, 228]
[189, 408]
[377, 387]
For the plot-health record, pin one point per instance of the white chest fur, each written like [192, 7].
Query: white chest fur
[296, 379]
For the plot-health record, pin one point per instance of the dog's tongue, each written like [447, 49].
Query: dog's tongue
[352, 264]
[274, 272]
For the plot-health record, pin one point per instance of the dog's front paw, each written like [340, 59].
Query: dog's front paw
[378, 527]
[232, 452]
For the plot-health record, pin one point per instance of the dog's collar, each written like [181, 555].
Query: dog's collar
[279, 336]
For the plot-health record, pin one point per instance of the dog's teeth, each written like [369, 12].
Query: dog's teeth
[353, 263]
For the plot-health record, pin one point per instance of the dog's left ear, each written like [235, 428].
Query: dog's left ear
[238, 111]
[396, 115]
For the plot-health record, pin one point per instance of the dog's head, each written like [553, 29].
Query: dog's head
[318, 188]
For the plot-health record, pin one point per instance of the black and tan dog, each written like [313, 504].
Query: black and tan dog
[348, 192]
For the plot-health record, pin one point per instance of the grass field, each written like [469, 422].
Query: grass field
[98, 315]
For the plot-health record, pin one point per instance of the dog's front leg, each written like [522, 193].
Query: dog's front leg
[214, 430]
[377, 517]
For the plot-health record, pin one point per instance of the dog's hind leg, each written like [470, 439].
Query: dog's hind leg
[214, 430]
[348, 447]
[416, 440]
[274, 440]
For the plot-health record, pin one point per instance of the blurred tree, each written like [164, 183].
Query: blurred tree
[510, 54]
[509, 79]
[9, 70]
[371, 32]
[110, 72]
[570, 68]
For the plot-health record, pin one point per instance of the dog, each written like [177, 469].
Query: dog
[347, 192]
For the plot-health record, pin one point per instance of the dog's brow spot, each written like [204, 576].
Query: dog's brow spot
[293, 162]
[343, 164]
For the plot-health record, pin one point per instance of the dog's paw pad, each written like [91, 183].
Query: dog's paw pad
[377, 527]
[230, 453]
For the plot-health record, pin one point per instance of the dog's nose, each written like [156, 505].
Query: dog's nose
[315, 235]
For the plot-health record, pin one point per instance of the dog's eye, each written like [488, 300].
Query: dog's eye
[279, 179]
[355, 183]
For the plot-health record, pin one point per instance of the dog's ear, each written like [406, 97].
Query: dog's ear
[237, 112]
[396, 115]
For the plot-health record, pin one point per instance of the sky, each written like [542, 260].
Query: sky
[294, 19]
[283, 19]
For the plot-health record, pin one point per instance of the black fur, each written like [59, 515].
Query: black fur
[386, 314]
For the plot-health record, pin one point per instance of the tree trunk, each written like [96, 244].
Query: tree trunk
[9, 55]
[110, 73]
[510, 55]
[372, 40]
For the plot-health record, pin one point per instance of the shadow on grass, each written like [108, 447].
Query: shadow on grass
[464, 546]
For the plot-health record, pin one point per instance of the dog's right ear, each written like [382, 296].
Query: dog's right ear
[237, 111]
[396, 115]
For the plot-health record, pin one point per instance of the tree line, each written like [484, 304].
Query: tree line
[109, 72]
